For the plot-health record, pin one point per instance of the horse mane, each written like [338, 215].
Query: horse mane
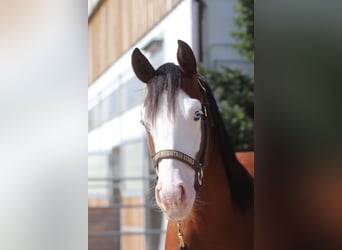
[240, 181]
[168, 78]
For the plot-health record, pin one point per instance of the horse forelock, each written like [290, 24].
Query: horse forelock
[167, 79]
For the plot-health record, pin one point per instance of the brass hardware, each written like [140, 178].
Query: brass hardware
[200, 176]
[180, 234]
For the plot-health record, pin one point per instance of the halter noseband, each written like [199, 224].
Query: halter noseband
[196, 165]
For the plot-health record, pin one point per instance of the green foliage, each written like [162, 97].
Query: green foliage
[234, 95]
[245, 36]
[233, 90]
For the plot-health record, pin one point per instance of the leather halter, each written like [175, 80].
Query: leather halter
[196, 165]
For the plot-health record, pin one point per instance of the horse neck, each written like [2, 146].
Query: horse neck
[213, 204]
[213, 212]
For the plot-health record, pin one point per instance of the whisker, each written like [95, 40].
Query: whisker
[151, 198]
[199, 203]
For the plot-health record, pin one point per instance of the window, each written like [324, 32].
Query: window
[132, 166]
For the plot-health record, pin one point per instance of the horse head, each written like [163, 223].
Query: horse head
[173, 115]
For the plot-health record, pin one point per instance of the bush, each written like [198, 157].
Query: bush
[234, 95]
[233, 90]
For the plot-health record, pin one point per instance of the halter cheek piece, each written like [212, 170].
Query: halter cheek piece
[196, 165]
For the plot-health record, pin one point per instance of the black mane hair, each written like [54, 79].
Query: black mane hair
[240, 181]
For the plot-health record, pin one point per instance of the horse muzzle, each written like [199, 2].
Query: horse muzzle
[176, 203]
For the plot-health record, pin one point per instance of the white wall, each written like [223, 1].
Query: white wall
[218, 23]
[177, 25]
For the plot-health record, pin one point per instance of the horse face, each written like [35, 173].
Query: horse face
[175, 192]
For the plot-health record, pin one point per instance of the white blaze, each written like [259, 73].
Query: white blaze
[175, 186]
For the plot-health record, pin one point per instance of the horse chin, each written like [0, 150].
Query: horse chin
[178, 214]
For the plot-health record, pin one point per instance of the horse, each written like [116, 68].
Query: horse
[202, 188]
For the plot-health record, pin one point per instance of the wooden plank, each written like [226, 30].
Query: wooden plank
[133, 218]
[103, 220]
[117, 25]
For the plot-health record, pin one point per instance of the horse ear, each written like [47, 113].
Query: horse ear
[141, 66]
[186, 59]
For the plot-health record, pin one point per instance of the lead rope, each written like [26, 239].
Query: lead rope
[180, 234]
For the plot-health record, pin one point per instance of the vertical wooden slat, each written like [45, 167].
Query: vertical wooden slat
[124, 18]
[103, 34]
[117, 25]
[96, 68]
[90, 54]
[143, 20]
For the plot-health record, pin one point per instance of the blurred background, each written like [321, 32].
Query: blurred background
[45, 100]
[122, 213]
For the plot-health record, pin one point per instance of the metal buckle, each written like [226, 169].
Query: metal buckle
[200, 176]
[180, 234]
[205, 112]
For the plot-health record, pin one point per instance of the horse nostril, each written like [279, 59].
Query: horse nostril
[182, 193]
[158, 198]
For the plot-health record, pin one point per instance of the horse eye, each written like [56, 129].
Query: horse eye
[142, 123]
[146, 125]
[198, 115]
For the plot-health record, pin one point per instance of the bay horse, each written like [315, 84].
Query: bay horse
[202, 188]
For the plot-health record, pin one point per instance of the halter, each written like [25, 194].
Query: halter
[196, 165]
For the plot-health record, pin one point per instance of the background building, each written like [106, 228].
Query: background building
[122, 214]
